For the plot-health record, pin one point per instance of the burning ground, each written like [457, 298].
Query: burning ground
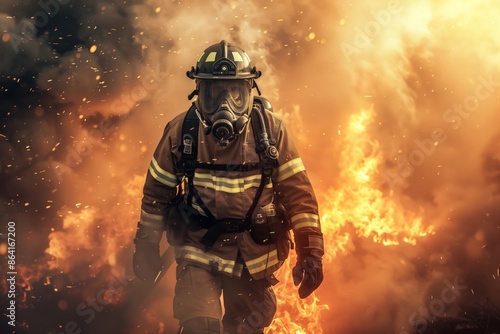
[394, 107]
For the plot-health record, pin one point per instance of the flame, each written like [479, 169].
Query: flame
[358, 202]
[93, 237]
[294, 315]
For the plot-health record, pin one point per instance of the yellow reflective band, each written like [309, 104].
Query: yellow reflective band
[236, 56]
[162, 175]
[306, 224]
[151, 220]
[200, 256]
[211, 57]
[305, 220]
[262, 262]
[290, 168]
[304, 215]
[228, 185]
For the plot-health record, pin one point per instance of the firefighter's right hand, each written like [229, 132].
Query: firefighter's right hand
[146, 260]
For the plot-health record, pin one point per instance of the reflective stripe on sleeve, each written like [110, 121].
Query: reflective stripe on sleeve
[226, 184]
[151, 220]
[214, 261]
[290, 168]
[262, 262]
[162, 175]
[305, 220]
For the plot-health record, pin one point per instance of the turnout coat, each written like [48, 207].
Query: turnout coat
[229, 194]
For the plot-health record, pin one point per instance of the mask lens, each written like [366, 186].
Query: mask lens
[228, 88]
[213, 92]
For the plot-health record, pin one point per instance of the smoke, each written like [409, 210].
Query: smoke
[87, 88]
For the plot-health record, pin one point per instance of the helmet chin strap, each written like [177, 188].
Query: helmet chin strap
[206, 127]
[193, 93]
[254, 85]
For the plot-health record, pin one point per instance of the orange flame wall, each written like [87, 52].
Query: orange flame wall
[393, 105]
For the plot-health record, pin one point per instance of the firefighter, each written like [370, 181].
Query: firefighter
[227, 184]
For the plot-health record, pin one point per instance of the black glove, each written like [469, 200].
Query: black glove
[146, 260]
[308, 272]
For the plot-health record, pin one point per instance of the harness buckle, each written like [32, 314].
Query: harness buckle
[187, 141]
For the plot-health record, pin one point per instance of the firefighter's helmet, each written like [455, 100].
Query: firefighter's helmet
[224, 61]
[224, 82]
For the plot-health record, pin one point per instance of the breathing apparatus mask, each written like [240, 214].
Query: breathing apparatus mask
[225, 106]
[224, 81]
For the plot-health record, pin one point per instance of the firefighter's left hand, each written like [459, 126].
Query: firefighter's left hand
[308, 272]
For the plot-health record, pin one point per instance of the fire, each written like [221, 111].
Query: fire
[93, 237]
[294, 315]
[359, 203]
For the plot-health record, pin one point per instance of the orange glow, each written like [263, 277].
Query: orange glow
[367, 89]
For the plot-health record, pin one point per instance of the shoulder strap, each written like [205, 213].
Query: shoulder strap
[189, 143]
[268, 153]
[189, 148]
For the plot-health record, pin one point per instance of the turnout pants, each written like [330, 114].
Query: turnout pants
[249, 305]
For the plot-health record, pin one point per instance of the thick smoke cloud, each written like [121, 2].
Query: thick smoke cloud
[87, 87]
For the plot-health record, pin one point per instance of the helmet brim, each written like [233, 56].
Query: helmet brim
[204, 76]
